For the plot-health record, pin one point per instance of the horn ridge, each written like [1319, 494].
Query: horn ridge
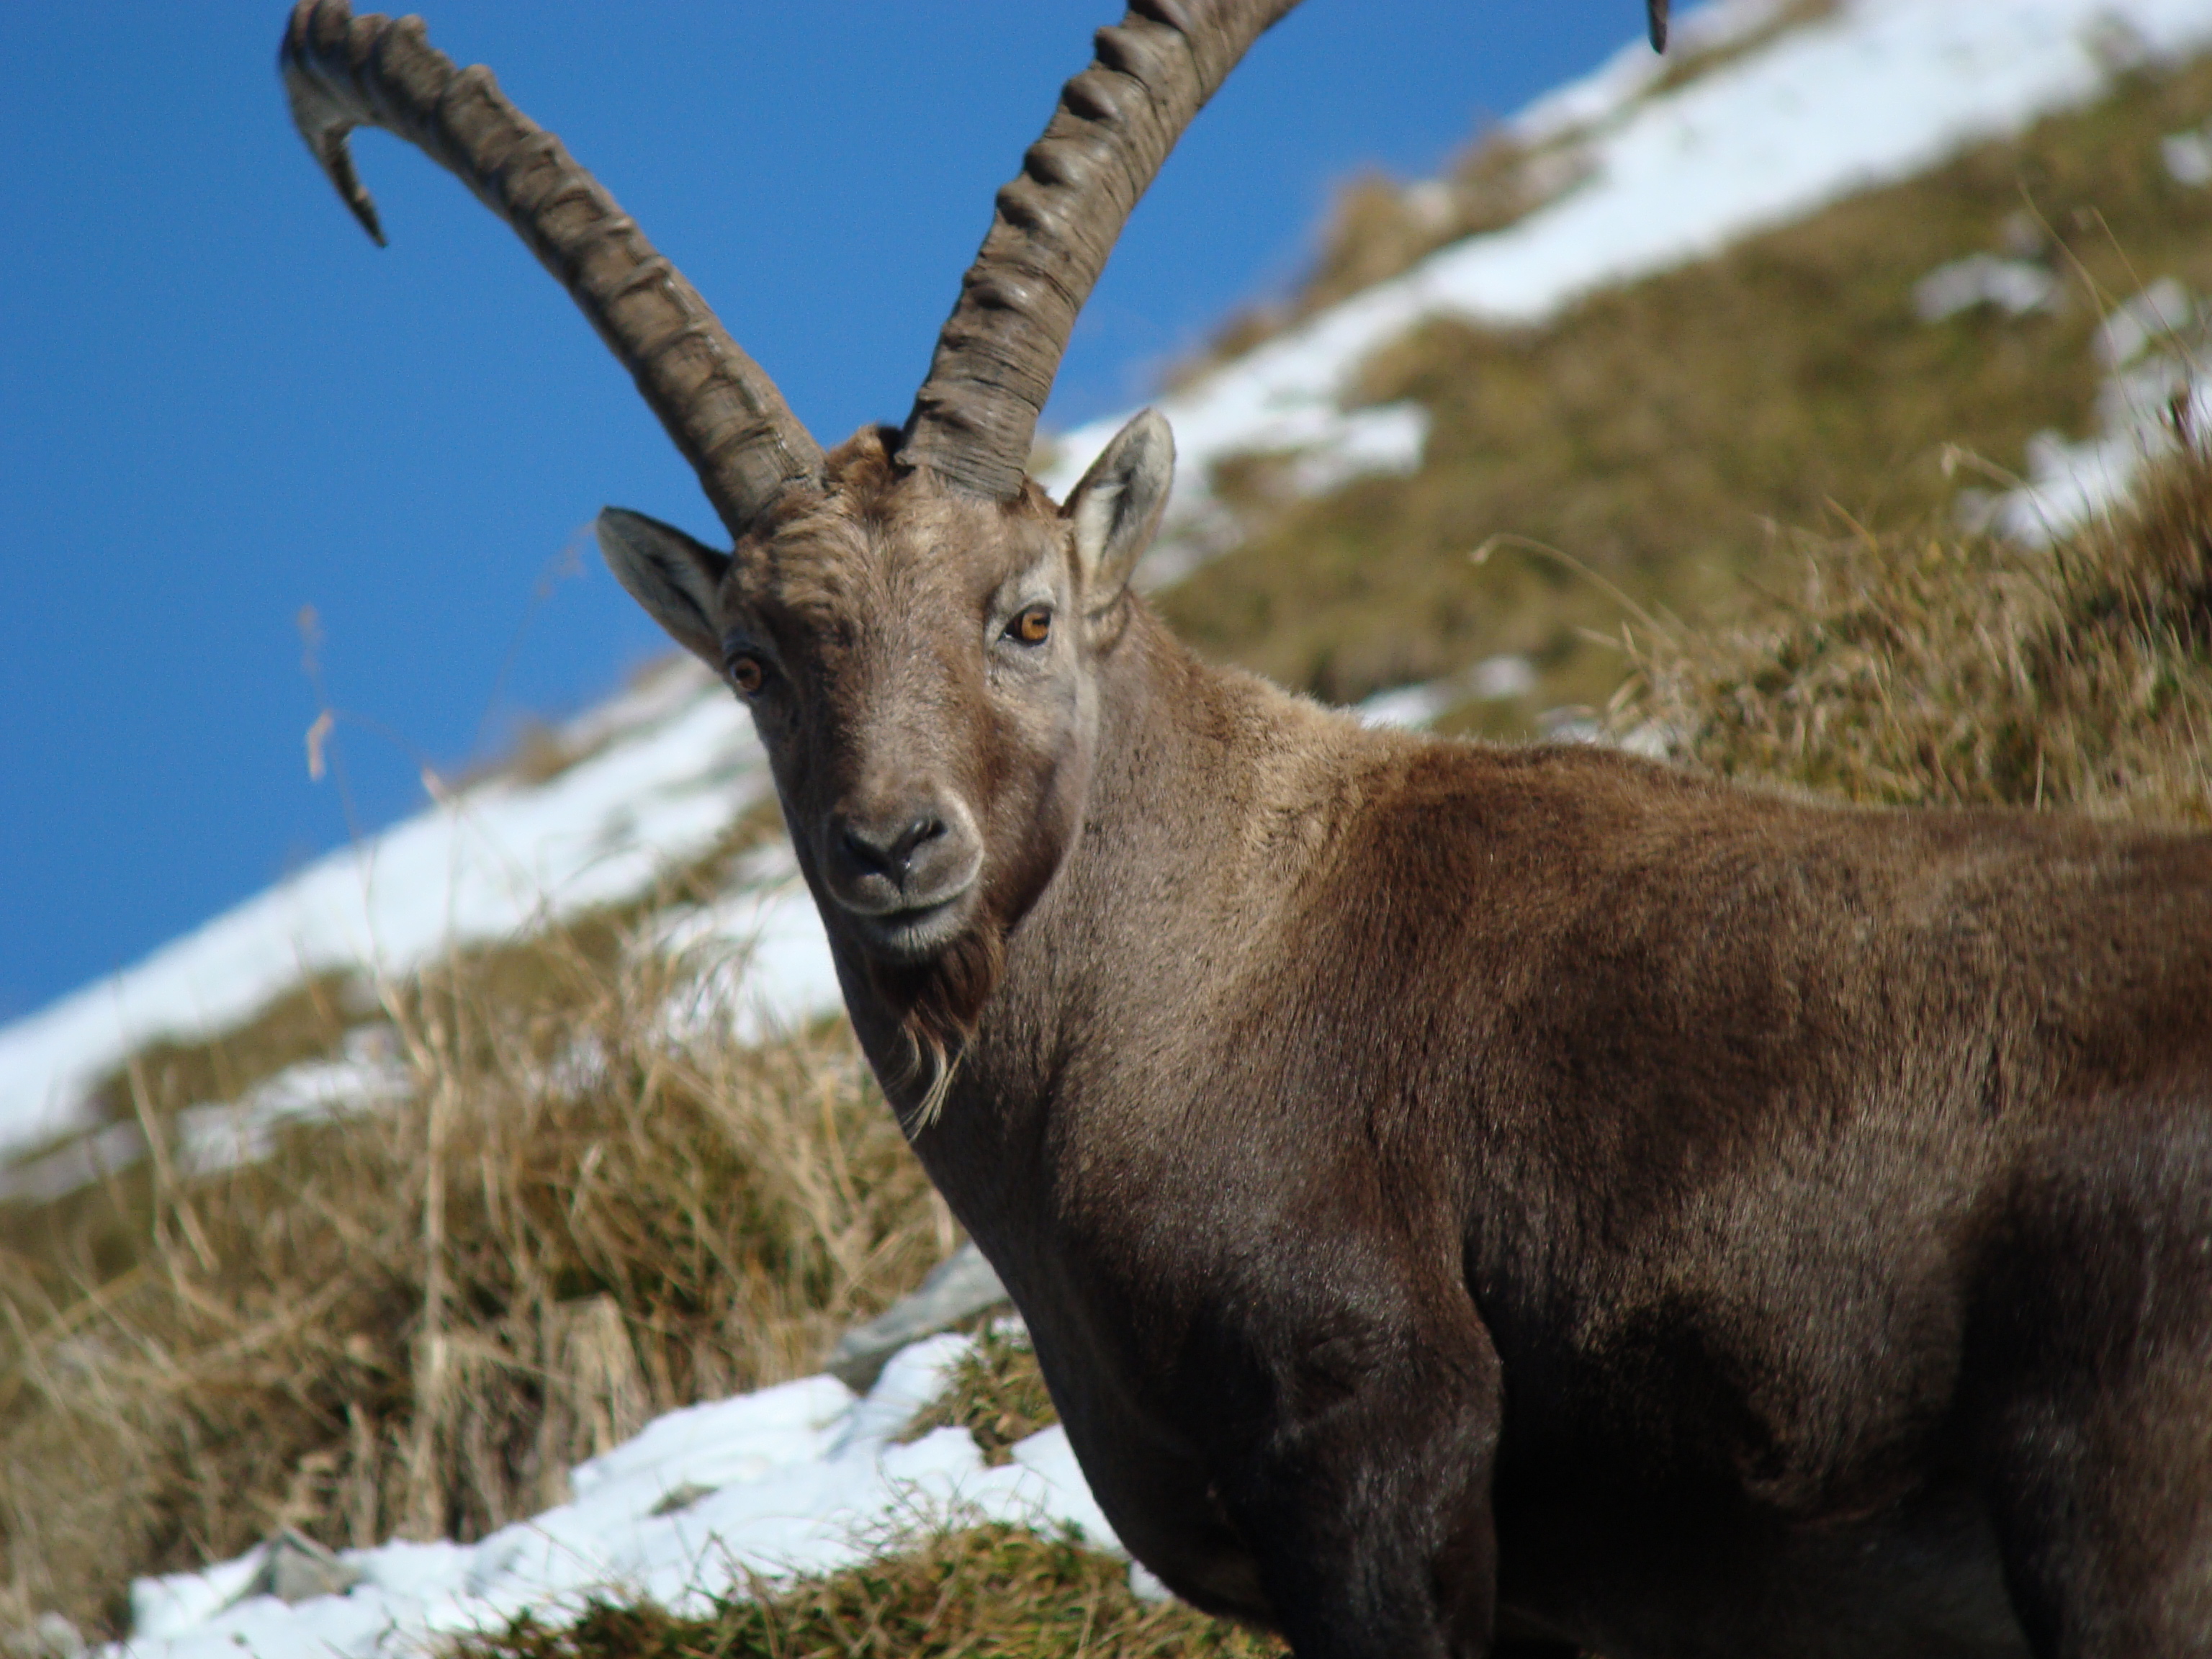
[723, 411]
[975, 415]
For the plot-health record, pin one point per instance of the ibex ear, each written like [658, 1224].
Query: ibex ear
[672, 576]
[1117, 507]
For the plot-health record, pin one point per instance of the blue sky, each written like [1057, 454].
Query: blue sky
[221, 405]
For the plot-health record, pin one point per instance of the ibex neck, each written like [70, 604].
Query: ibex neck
[1213, 781]
[1213, 795]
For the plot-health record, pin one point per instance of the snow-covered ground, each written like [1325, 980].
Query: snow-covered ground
[1878, 91]
[2154, 349]
[668, 768]
[794, 1479]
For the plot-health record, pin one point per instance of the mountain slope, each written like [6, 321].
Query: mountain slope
[1655, 431]
[1875, 92]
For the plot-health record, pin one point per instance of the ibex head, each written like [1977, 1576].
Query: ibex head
[913, 621]
[920, 665]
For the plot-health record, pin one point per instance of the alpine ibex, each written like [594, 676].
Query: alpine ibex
[1466, 1199]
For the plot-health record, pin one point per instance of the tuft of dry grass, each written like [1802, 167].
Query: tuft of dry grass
[1968, 671]
[996, 1392]
[413, 1322]
[945, 1590]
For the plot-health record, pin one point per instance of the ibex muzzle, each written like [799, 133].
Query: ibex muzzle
[1466, 1199]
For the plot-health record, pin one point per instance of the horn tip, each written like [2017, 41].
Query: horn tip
[335, 156]
[365, 210]
[1657, 11]
[337, 164]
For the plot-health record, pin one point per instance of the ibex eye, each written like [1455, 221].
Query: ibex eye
[746, 674]
[1033, 626]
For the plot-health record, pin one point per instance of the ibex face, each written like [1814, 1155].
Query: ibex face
[920, 667]
[912, 621]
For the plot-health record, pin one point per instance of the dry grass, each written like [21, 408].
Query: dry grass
[93, 1235]
[973, 1590]
[1658, 431]
[414, 1321]
[995, 1392]
[1941, 668]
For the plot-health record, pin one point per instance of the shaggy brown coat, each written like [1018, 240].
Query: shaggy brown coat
[1460, 1191]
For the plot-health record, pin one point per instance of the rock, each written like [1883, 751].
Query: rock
[961, 1286]
[681, 1497]
[294, 1568]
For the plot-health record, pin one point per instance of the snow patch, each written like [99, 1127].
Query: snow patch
[2155, 347]
[212, 1137]
[1411, 708]
[2165, 311]
[2015, 287]
[2189, 157]
[1877, 91]
[799, 1478]
[762, 959]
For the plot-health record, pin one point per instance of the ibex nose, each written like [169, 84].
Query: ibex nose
[893, 859]
[888, 850]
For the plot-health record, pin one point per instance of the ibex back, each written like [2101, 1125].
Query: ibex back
[1466, 1199]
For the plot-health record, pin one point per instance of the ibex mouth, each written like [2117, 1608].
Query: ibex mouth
[913, 936]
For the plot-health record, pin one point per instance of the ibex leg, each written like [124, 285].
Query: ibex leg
[1367, 1501]
[2093, 1351]
[2104, 1509]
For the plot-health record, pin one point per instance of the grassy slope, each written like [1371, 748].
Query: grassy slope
[996, 1392]
[412, 1322]
[1378, 228]
[1656, 432]
[1962, 671]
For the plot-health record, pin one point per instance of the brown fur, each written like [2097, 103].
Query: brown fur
[824, 553]
[936, 1004]
[1471, 1199]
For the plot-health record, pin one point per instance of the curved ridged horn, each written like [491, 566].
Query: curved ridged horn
[725, 414]
[975, 416]
[1658, 18]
